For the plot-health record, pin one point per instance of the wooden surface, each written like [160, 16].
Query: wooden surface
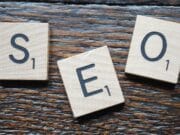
[110, 2]
[34, 107]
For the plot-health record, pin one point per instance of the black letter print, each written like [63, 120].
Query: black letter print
[84, 81]
[26, 53]
[163, 51]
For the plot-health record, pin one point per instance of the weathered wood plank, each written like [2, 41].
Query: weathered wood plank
[110, 2]
[35, 107]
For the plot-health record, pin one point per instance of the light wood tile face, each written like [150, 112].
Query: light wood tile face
[24, 51]
[155, 50]
[90, 81]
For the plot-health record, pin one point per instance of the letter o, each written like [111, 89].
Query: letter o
[163, 51]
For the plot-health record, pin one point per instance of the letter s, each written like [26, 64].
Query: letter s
[24, 50]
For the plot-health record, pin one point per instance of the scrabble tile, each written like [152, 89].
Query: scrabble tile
[23, 51]
[90, 81]
[154, 50]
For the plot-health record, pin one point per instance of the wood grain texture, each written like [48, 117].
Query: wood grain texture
[24, 51]
[33, 107]
[148, 56]
[110, 2]
[90, 81]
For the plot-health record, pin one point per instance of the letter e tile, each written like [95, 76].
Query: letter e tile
[90, 81]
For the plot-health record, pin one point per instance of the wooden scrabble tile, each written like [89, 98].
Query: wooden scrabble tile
[90, 81]
[154, 50]
[23, 51]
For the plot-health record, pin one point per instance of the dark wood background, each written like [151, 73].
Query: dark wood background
[151, 107]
